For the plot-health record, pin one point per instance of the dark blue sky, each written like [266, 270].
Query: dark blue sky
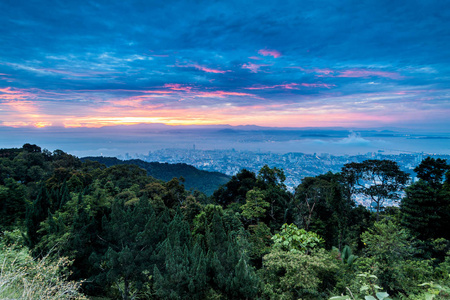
[271, 63]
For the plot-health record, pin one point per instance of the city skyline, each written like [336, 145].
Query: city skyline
[292, 64]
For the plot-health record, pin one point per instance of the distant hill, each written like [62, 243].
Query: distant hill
[204, 181]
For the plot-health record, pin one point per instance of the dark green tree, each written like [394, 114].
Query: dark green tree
[425, 209]
[182, 273]
[12, 202]
[379, 180]
[255, 206]
[131, 234]
[235, 191]
[432, 171]
[271, 182]
[35, 214]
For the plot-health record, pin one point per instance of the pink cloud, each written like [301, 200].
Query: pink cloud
[323, 71]
[269, 52]
[255, 57]
[291, 86]
[350, 73]
[178, 87]
[368, 73]
[156, 92]
[14, 94]
[287, 86]
[203, 68]
[209, 70]
[254, 68]
[324, 85]
[220, 94]
[315, 70]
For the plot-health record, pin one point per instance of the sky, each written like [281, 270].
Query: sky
[363, 64]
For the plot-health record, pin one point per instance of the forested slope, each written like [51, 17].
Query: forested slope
[117, 233]
[204, 181]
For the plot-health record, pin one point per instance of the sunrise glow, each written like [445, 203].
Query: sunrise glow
[272, 71]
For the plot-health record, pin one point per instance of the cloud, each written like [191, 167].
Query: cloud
[178, 87]
[287, 86]
[364, 73]
[291, 86]
[268, 52]
[203, 68]
[366, 65]
[354, 138]
[254, 68]
[351, 73]
[313, 85]
[220, 94]
[10, 93]
[209, 70]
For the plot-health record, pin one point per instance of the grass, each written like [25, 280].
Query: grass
[22, 277]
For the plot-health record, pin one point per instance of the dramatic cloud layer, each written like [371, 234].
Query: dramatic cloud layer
[288, 63]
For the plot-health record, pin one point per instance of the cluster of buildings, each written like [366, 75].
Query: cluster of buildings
[296, 166]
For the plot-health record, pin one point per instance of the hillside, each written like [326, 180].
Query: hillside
[204, 181]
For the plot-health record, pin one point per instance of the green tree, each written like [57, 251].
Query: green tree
[261, 240]
[12, 201]
[255, 206]
[425, 209]
[432, 171]
[389, 255]
[379, 180]
[291, 238]
[297, 275]
[271, 182]
[183, 271]
[235, 190]
[36, 213]
[222, 237]
[130, 234]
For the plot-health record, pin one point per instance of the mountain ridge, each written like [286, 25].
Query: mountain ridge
[204, 181]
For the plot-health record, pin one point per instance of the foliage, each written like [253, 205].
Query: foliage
[368, 288]
[432, 170]
[380, 180]
[293, 239]
[426, 207]
[128, 235]
[261, 240]
[435, 291]
[204, 181]
[23, 277]
[255, 206]
[325, 207]
[294, 275]
[346, 256]
[389, 254]
[235, 190]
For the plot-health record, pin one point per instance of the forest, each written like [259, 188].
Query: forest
[204, 181]
[73, 229]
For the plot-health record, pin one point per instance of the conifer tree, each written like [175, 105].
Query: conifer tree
[36, 213]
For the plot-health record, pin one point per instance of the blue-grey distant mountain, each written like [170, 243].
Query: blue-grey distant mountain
[204, 181]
